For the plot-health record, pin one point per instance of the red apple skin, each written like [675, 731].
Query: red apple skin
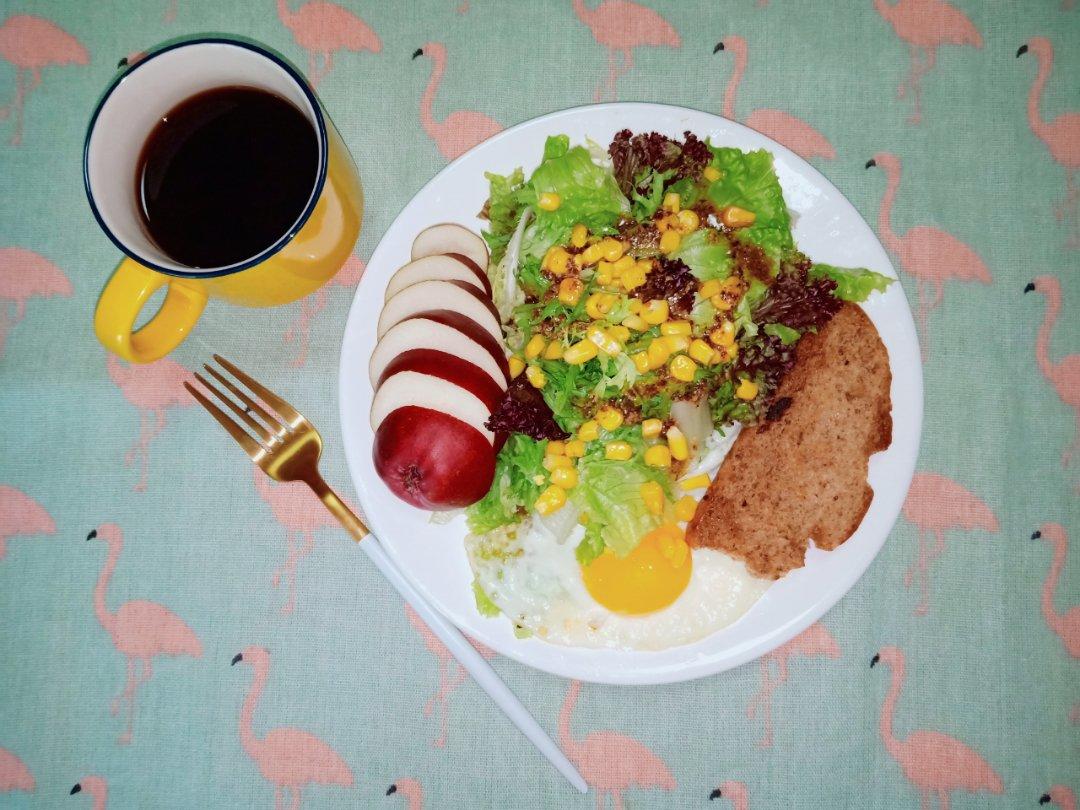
[471, 329]
[479, 296]
[431, 460]
[478, 271]
[447, 367]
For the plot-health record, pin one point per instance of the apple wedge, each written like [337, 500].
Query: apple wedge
[432, 460]
[445, 331]
[456, 296]
[450, 238]
[437, 268]
[447, 367]
[410, 388]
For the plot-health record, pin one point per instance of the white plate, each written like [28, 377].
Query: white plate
[827, 228]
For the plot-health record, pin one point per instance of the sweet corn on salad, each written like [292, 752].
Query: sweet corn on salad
[653, 298]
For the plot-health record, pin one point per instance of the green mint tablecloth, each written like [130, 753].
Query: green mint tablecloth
[980, 627]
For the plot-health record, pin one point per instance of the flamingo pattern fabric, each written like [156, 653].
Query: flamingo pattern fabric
[342, 697]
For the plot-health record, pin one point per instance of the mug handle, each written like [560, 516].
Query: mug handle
[124, 296]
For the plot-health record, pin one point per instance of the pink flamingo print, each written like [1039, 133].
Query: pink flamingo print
[926, 25]
[610, 762]
[14, 775]
[140, 630]
[930, 254]
[21, 516]
[935, 763]
[153, 389]
[1061, 796]
[96, 788]
[31, 44]
[1061, 136]
[815, 640]
[620, 26]
[792, 132]
[737, 792]
[1065, 626]
[25, 275]
[300, 515]
[1074, 714]
[299, 330]
[321, 29]
[287, 757]
[461, 130]
[936, 504]
[451, 674]
[412, 791]
[1064, 375]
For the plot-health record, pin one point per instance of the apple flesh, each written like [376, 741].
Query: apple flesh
[445, 331]
[431, 295]
[425, 391]
[450, 238]
[438, 268]
[447, 367]
[432, 460]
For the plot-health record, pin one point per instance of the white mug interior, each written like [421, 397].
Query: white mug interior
[138, 102]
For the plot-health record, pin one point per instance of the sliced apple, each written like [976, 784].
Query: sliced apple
[445, 366]
[450, 238]
[444, 331]
[424, 391]
[456, 296]
[438, 268]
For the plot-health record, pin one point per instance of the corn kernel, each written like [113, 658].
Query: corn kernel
[681, 368]
[534, 347]
[670, 241]
[677, 443]
[589, 431]
[671, 202]
[655, 312]
[635, 306]
[604, 342]
[724, 334]
[650, 428]
[675, 328]
[635, 322]
[658, 353]
[699, 350]
[688, 221]
[581, 352]
[711, 173]
[699, 481]
[583, 519]
[570, 290]
[684, 507]
[555, 462]
[640, 361]
[709, 288]
[592, 254]
[613, 249]
[551, 500]
[555, 448]
[658, 456]
[604, 276]
[554, 350]
[675, 343]
[536, 377]
[618, 451]
[557, 260]
[575, 448]
[653, 496]
[539, 480]
[632, 278]
[609, 418]
[623, 264]
[747, 390]
[578, 235]
[517, 365]
[734, 217]
[620, 333]
[567, 478]
[732, 352]
[598, 305]
[549, 201]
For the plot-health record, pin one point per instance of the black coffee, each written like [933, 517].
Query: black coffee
[225, 174]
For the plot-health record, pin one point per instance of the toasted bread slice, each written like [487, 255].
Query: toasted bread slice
[802, 475]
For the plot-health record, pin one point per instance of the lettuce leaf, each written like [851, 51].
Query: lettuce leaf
[748, 181]
[503, 210]
[591, 545]
[744, 318]
[513, 492]
[483, 602]
[852, 283]
[644, 206]
[707, 253]
[785, 334]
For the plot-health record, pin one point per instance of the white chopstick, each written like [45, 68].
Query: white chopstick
[474, 664]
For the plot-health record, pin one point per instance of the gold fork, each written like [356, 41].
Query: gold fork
[287, 448]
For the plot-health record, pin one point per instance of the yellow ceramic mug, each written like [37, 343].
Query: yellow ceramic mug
[299, 262]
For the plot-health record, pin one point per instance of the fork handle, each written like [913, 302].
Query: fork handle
[346, 517]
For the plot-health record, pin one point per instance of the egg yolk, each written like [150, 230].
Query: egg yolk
[648, 578]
